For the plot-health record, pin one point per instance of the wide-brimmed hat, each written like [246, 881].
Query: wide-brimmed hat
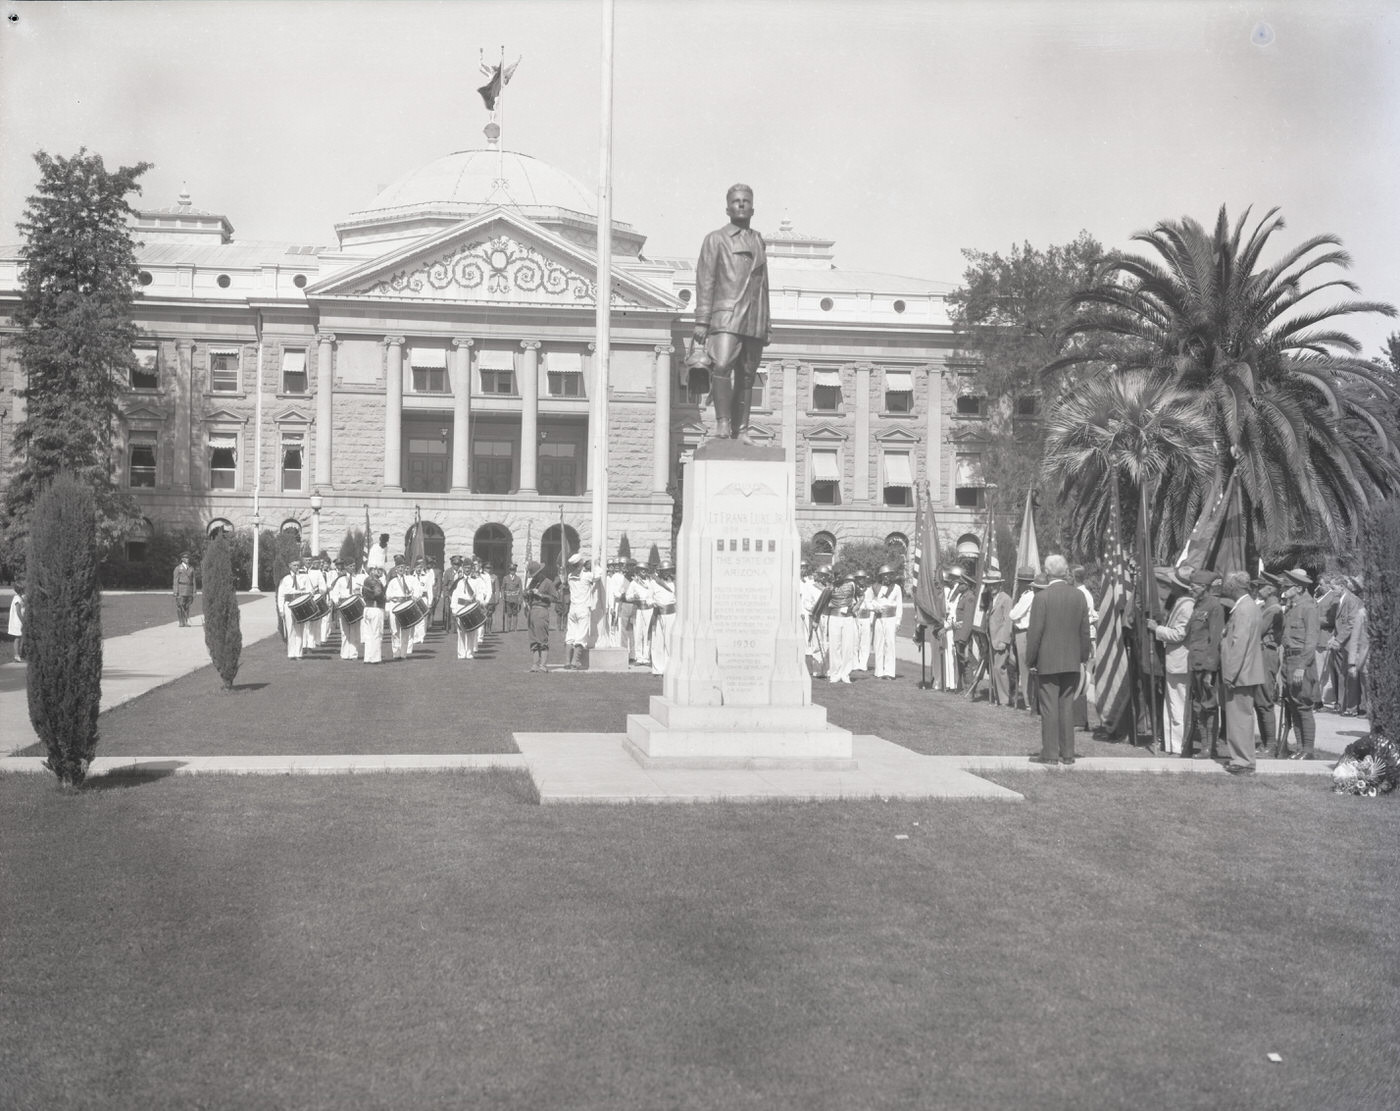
[1025, 571]
[1299, 577]
[1179, 577]
[1204, 577]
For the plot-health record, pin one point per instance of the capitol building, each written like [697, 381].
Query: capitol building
[436, 359]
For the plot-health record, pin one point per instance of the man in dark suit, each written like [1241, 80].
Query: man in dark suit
[1241, 670]
[1057, 648]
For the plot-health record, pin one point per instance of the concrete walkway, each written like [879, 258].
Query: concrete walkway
[137, 663]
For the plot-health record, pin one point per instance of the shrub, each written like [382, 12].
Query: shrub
[1380, 591]
[64, 627]
[223, 635]
[352, 548]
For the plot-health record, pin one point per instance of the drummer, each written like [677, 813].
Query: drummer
[292, 589]
[397, 591]
[343, 587]
[484, 589]
[420, 582]
[372, 623]
[328, 574]
[464, 605]
[663, 599]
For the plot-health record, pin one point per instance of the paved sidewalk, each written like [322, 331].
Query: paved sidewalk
[137, 663]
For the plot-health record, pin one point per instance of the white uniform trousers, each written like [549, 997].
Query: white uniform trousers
[1178, 685]
[661, 643]
[842, 649]
[296, 634]
[641, 636]
[349, 638]
[883, 638]
[865, 643]
[400, 639]
[372, 634]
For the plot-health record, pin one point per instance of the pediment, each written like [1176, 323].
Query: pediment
[897, 436]
[143, 412]
[496, 258]
[978, 435]
[291, 415]
[825, 432]
[224, 416]
[760, 433]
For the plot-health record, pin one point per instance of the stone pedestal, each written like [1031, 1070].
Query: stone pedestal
[737, 690]
[607, 659]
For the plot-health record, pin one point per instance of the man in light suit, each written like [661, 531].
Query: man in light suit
[1241, 671]
[1057, 648]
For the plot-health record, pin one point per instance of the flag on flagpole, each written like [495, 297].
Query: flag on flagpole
[417, 553]
[1149, 604]
[499, 77]
[930, 606]
[1217, 541]
[369, 538]
[1028, 550]
[1111, 665]
[563, 544]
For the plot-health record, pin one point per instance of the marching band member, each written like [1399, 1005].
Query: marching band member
[484, 589]
[372, 624]
[663, 598]
[841, 630]
[449, 584]
[342, 587]
[615, 587]
[293, 587]
[463, 597]
[640, 594]
[327, 619]
[887, 602]
[820, 647]
[865, 621]
[583, 587]
[627, 613]
[808, 593]
[420, 584]
[397, 590]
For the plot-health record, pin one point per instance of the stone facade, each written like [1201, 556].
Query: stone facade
[415, 367]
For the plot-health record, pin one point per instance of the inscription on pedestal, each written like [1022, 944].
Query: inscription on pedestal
[744, 528]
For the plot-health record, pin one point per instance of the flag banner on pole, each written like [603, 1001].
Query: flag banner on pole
[417, 552]
[1112, 678]
[1217, 541]
[1149, 602]
[1229, 553]
[1028, 550]
[930, 606]
[500, 76]
[369, 538]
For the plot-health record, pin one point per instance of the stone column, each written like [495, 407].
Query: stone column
[461, 413]
[393, 415]
[324, 384]
[933, 449]
[661, 434]
[184, 392]
[790, 443]
[861, 490]
[529, 414]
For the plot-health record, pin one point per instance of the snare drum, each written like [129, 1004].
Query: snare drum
[473, 617]
[407, 612]
[323, 606]
[303, 608]
[352, 609]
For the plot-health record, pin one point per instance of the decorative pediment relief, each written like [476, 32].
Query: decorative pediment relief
[291, 415]
[897, 436]
[826, 432]
[143, 412]
[971, 435]
[224, 416]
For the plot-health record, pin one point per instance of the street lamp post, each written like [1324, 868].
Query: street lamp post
[257, 536]
[315, 523]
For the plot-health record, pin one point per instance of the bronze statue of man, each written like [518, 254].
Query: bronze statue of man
[731, 313]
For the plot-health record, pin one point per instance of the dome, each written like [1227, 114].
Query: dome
[485, 178]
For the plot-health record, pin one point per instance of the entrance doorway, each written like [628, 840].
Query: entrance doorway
[427, 459]
[434, 543]
[492, 546]
[549, 546]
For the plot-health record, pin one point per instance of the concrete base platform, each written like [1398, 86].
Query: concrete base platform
[156, 766]
[607, 660]
[597, 767]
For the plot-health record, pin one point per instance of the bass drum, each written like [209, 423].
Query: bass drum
[323, 605]
[407, 612]
[473, 617]
[352, 609]
[303, 608]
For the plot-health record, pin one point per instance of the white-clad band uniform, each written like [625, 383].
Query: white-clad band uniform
[294, 586]
[889, 610]
[484, 590]
[865, 622]
[344, 586]
[420, 583]
[327, 620]
[398, 590]
[463, 597]
[372, 623]
[640, 594]
[663, 600]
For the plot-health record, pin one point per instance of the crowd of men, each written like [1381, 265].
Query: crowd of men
[850, 621]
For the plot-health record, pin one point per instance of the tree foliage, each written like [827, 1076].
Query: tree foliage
[223, 635]
[64, 627]
[1381, 596]
[76, 337]
[1010, 315]
[1203, 312]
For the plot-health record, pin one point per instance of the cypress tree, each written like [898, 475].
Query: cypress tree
[64, 627]
[1380, 590]
[223, 635]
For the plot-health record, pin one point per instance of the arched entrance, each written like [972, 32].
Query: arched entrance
[434, 543]
[549, 545]
[492, 545]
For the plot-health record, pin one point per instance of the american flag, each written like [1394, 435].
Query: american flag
[930, 607]
[1112, 672]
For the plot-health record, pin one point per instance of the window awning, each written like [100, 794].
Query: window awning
[293, 362]
[899, 381]
[215, 349]
[495, 359]
[968, 471]
[427, 358]
[897, 469]
[564, 362]
[824, 468]
[826, 378]
[219, 440]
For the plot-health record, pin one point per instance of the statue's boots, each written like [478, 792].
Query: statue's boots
[742, 403]
[722, 390]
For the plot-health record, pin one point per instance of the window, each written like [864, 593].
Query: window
[141, 460]
[899, 479]
[429, 369]
[824, 544]
[1028, 406]
[899, 391]
[558, 469]
[146, 374]
[697, 385]
[972, 405]
[293, 460]
[565, 374]
[493, 464]
[826, 390]
[218, 527]
[223, 461]
[968, 484]
[136, 551]
[897, 543]
[223, 369]
[759, 392]
[826, 477]
[294, 370]
[291, 526]
[497, 372]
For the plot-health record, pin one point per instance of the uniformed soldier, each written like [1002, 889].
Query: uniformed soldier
[1203, 632]
[1302, 637]
[184, 589]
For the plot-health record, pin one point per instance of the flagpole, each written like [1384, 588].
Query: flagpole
[598, 409]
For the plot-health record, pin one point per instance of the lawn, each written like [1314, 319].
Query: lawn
[411, 941]
[130, 613]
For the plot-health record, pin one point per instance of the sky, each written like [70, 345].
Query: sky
[906, 131]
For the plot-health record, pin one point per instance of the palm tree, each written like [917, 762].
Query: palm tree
[1140, 432]
[1271, 372]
